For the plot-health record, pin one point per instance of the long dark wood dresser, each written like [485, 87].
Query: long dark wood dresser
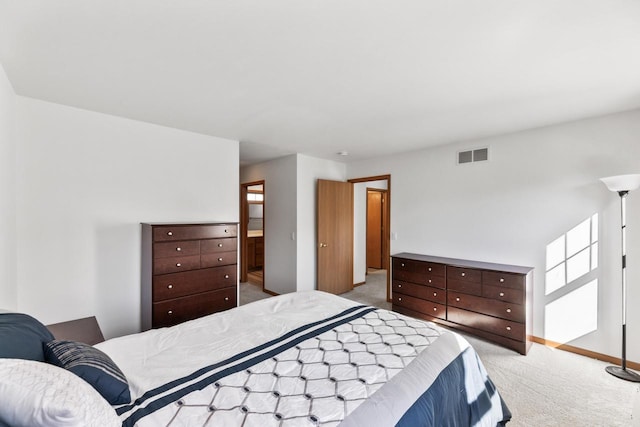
[492, 301]
[188, 271]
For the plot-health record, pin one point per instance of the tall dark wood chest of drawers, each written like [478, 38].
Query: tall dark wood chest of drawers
[188, 271]
[492, 301]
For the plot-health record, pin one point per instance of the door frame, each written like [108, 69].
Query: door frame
[387, 225]
[244, 227]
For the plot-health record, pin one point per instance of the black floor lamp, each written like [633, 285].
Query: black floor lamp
[622, 184]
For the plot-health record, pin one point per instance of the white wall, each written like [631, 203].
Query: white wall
[280, 219]
[537, 185]
[85, 181]
[360, 227]
[290, 217]
[8, 240]
[310, 169]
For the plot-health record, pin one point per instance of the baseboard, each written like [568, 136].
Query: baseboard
[267, 291]
[358, 284]
[588, 353]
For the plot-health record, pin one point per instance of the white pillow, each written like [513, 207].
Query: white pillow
[38, 394]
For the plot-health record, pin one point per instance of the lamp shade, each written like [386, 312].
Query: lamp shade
[622, 182]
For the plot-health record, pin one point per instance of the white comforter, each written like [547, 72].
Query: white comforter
[157, 356]
[327, 360]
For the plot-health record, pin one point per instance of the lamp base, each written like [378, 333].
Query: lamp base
[624, 374]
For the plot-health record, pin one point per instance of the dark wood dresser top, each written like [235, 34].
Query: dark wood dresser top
[465, 263]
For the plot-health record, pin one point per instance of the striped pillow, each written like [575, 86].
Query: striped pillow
[92, 365]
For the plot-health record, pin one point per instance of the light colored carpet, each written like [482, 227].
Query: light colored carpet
[548, 387]
[250, 292]
[373, 292]
[551, 387]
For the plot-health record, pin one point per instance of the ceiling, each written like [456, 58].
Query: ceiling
[317, 77]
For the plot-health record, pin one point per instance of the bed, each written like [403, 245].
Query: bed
[301, 359]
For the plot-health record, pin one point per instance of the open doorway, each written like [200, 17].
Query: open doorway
[371, 218]
[252, 233]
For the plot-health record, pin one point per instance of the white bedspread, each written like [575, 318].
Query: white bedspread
[157, 356]
[304, 359]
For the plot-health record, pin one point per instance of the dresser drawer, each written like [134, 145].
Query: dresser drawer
[176, 264]
[212, 246]
[419, 272]
[422, 267]
[173, 249]
[217, 259]
[505, 328]
[192, 232]
[420, 291]
[179, 310]
[504, 310]
[467, 275]
[423, 306]
[500, 293]
[506, 280]
[169, 286]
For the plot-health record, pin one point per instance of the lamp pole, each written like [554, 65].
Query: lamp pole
[622, 185]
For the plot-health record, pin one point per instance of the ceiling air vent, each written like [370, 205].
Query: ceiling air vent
[472, 156]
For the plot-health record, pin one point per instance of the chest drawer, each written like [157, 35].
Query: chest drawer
[176, 264]
[515, 296]
[179, 310]
[505, 280]
[218, 259]
[174, 285]
[173, 249]
[193, 232]
[504, 310]
[422, 306]
[420, 291]
[432, 274]
[212, 246]
[502, 327]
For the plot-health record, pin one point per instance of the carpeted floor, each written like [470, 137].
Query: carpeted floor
[548, 387]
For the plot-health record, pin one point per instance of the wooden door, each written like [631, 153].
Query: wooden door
[335, 236]
[374, 229]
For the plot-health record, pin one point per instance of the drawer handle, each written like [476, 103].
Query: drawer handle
[178, 265]
[226, 276]
[429, 269]
[399, 286]
[402, 264]
[399, 299]
[219, 259]
[169, 286]
[429, 280]
[435, 308]
[435, 294]
[226, 231]
[178, 249]
[169, 233]
[170, 312]
[457, 299]
[508, 310]
[508, 328]
[501, 294]
[462, 274]
[219, 245]
[226, 298]
[501, 280]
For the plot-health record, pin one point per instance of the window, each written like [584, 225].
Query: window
[255, 197]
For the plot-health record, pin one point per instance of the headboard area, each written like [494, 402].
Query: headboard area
[84, 330]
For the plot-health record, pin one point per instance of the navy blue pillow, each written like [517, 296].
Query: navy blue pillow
[93, 366]
[21, 337]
